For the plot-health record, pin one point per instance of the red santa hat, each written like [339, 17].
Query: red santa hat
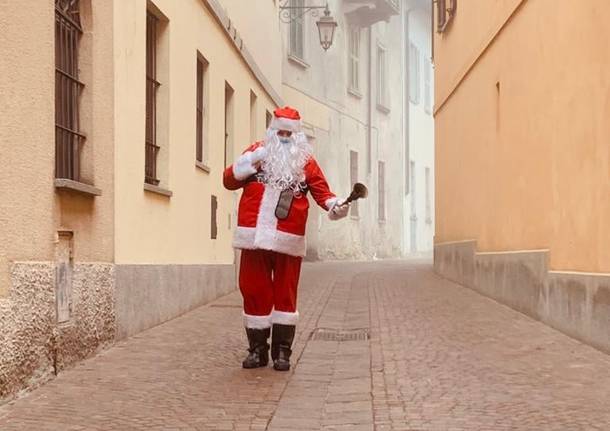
[286, 118]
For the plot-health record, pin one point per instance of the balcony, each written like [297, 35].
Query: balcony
[368, 12]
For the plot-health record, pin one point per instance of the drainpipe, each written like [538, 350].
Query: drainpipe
[406, 122]
[369, 133]
[407, 95]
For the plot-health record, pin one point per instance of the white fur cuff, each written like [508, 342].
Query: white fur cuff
[257, 322]
[243, 167]
[330, 203]
[286, 124]
[284, 317]
[337, 212]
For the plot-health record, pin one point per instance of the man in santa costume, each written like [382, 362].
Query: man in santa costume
[276, 175]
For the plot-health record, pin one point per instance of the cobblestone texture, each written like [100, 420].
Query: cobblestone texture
[440, 357]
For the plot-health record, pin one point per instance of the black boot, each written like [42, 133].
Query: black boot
[258, 355]
[283, 336]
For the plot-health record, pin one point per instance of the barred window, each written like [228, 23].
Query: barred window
[382, 78]
[354, 59]
[152, 85]
[296, 29]
[201, 147]
[68, 88]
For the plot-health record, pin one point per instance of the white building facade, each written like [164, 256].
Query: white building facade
[352, 100]
[419, 204]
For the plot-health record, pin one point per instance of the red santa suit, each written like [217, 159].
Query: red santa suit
[273, 247]
[280, 243]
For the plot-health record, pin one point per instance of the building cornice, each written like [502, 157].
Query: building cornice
[231, 32]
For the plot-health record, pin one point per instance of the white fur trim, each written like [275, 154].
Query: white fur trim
[284, 317]
[243, 167]
[286, 124]
[330, 203]
[266, 223]
[265, 235]
[281, 242]
[257, 322]
[244, 237]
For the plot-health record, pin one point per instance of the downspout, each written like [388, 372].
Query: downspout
[369, 134]
[406, 124]
[407, 96]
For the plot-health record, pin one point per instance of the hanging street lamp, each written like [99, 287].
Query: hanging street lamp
[326, 24]
[326, 28]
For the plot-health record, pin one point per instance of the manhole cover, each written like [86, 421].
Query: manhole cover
[323, 334]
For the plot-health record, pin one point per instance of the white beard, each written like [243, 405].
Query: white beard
[283, 167]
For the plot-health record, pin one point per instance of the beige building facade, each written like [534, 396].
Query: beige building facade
[114, 218]
[522, 157]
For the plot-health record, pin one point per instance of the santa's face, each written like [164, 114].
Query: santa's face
[285, 137]
[287, 154]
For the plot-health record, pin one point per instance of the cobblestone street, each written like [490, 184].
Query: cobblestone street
[439, 357]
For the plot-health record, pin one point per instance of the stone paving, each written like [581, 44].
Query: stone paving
[439, 357]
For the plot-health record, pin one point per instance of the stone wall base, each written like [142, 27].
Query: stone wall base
[34, 346]
[56, 315]
[577, 304]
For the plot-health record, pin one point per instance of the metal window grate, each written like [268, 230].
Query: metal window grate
[152, 85]
[68, 88]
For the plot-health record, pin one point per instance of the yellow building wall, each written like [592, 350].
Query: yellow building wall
[32, 211]
[151, 228]
[522, 143]
[258, 25]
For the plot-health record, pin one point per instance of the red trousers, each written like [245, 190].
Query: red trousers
[268, 282]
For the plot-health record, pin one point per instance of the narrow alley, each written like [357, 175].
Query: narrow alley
[382, 346]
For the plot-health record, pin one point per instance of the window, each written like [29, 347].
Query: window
[382, 79]
[268, 119]
[152, 86]
[253, 114]
[445, 13]
[214, 217]
[354, 59]
[414, 95]
[381, 186]
[353, 176]
[428, 198]
[228, 124]
[428, 86]
[202, 91]
[296, 29]
[68, 88]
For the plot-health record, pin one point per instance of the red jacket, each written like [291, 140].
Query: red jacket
[257, 225]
